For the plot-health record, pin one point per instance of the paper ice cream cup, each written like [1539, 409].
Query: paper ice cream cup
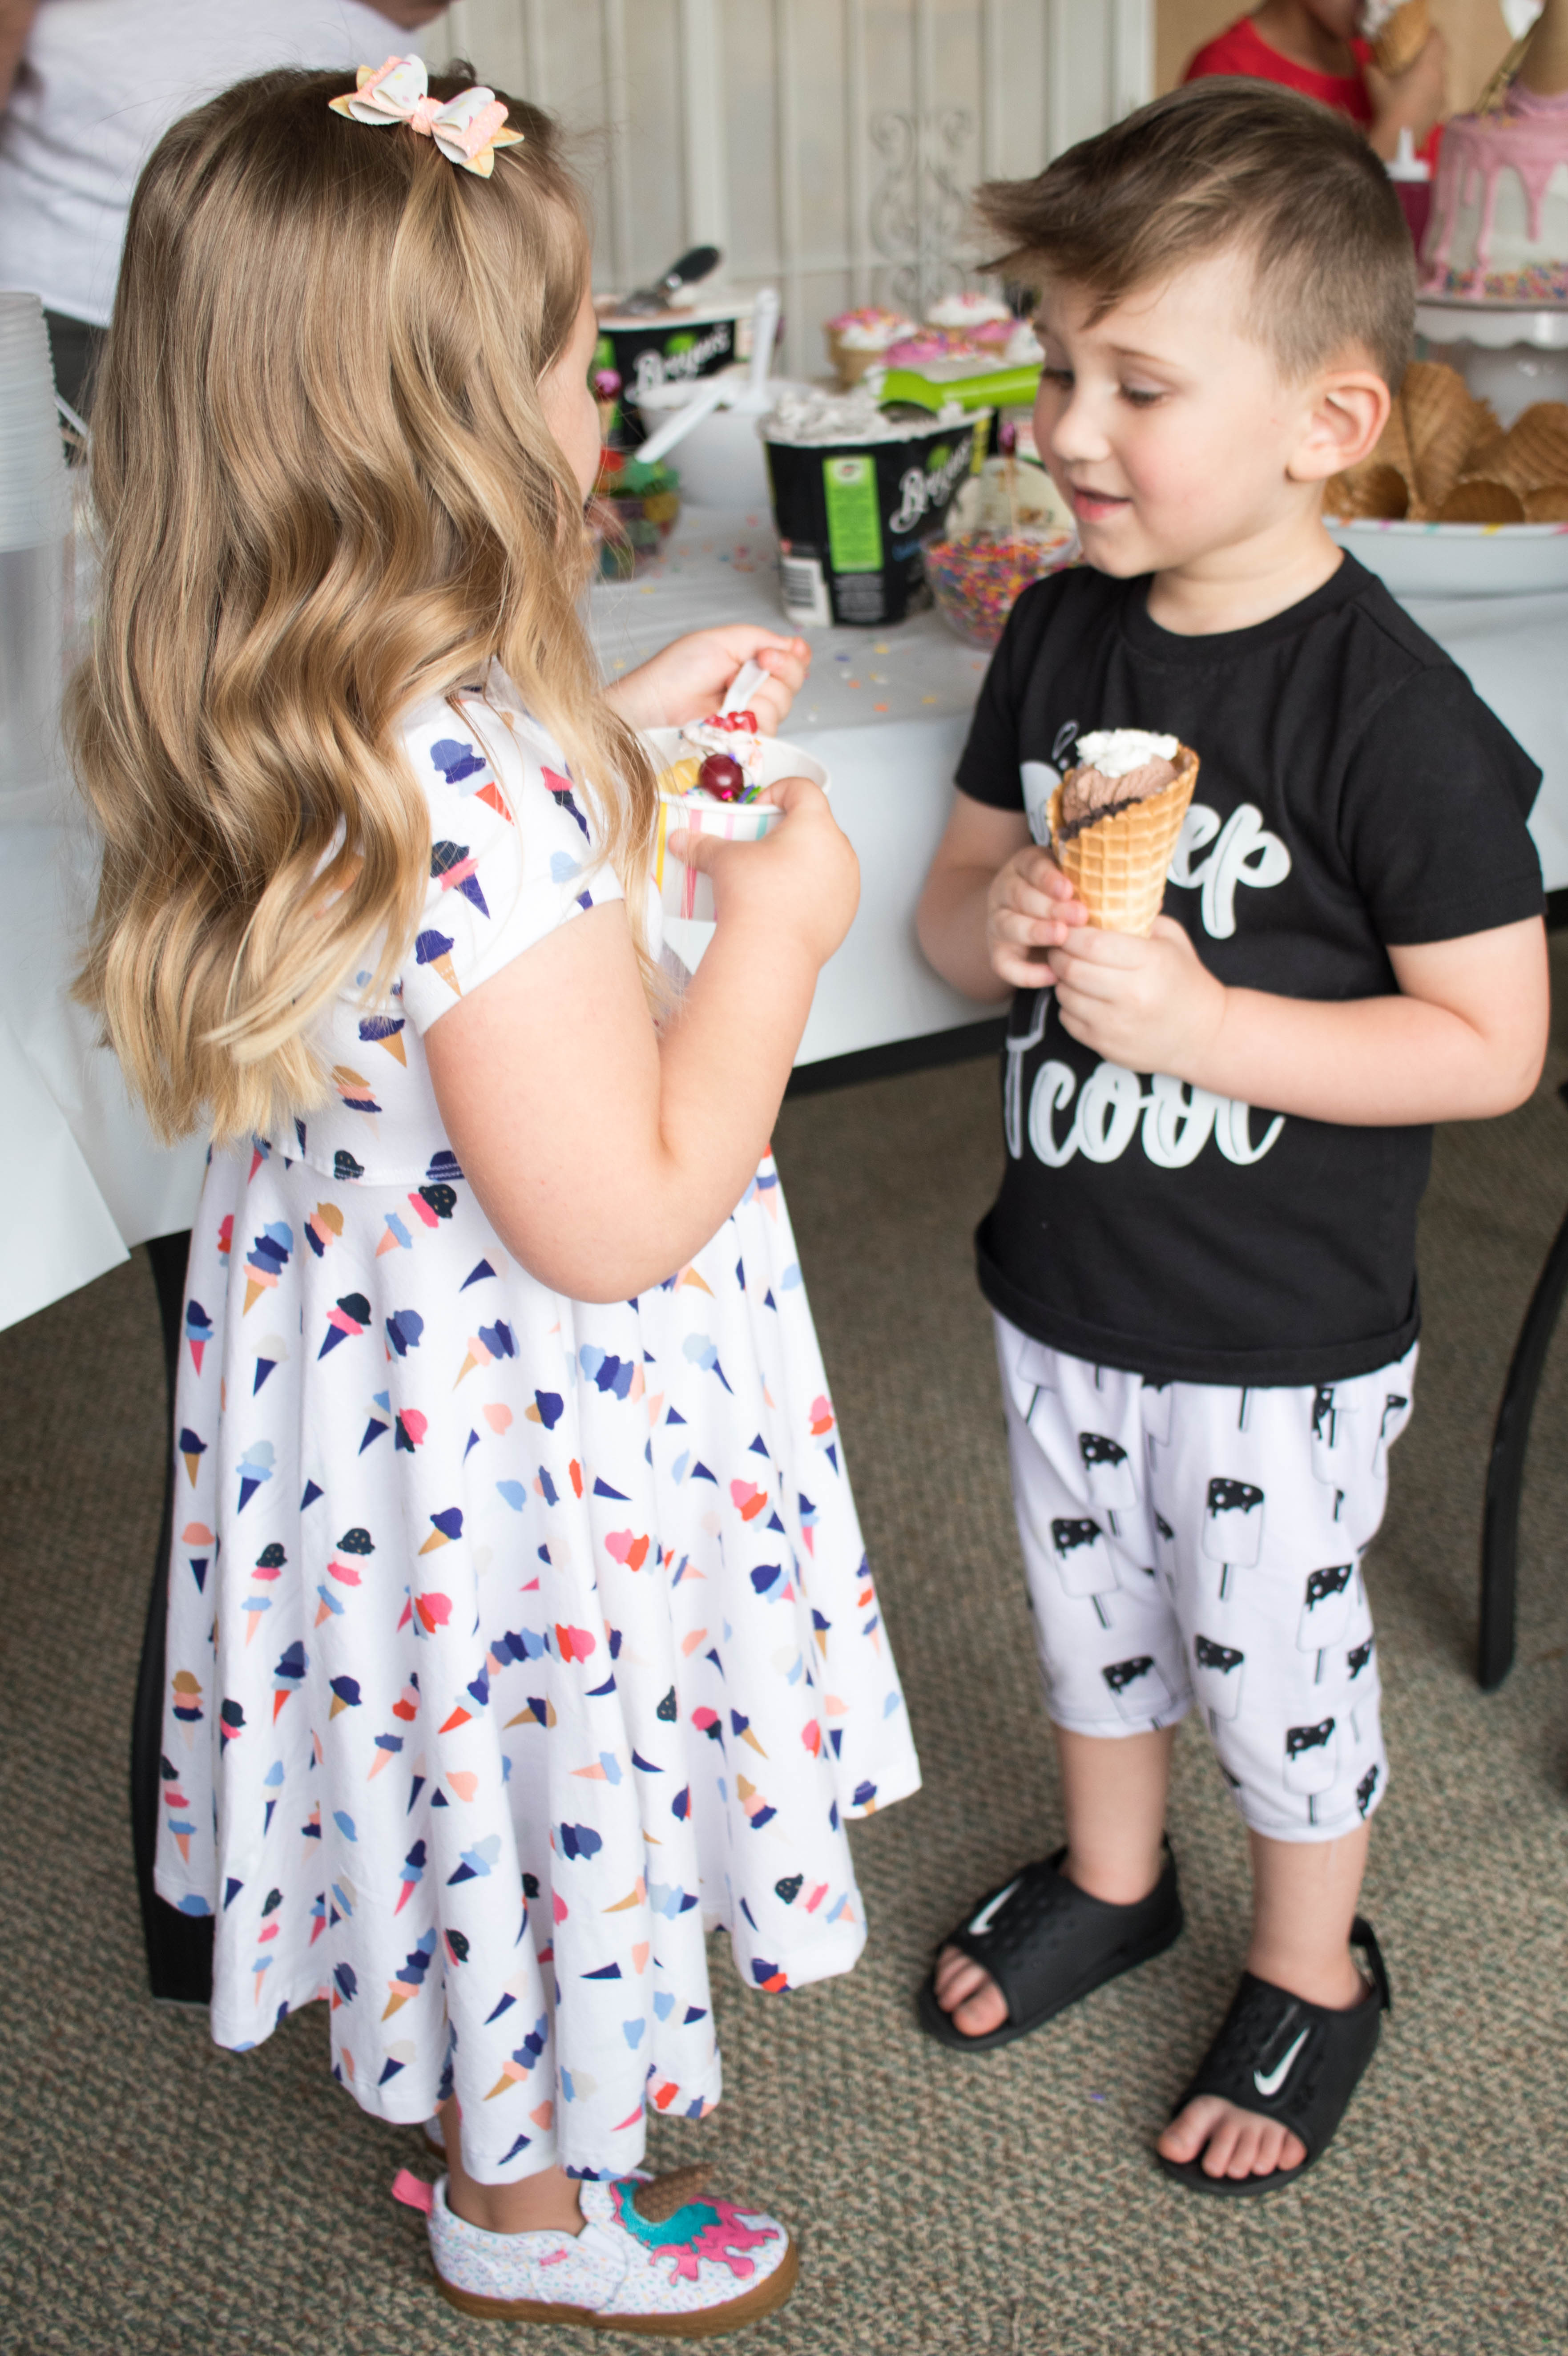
[686, 893]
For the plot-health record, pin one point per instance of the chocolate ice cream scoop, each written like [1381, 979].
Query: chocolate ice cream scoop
[1089, 794]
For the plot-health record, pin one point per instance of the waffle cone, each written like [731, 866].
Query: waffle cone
[1391, 447]
[1440, 422]
[1404, 37]
[1117, 865]
[1368, 489]
[849, 363]
[1548, 505]
[1535, 447]
[1474, 499]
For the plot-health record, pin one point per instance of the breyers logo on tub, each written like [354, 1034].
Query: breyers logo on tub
[639, 354]
[856, 490]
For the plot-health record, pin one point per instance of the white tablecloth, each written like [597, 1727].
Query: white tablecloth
[886, 711]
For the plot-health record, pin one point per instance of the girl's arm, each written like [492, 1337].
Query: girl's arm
[1465, 1038]
[605, 1153]
[991, 899]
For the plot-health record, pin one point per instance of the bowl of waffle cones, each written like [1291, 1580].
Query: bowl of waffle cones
[1450, 503]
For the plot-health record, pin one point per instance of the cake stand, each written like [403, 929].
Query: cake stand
[1510, 353]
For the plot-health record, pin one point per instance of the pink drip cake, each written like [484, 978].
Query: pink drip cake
[1499, 230]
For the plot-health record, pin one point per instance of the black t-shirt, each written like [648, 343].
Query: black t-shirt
[1354, 792]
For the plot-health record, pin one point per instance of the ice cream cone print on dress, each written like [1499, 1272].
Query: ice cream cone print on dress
[267, 1257]
[1112, 846]
[434, 949]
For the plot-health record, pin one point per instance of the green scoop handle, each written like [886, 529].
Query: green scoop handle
[1013, 388]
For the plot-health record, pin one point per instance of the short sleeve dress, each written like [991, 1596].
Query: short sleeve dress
[513, 1641]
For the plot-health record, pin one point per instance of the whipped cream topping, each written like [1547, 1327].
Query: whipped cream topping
[1117, 751]
[734, 732]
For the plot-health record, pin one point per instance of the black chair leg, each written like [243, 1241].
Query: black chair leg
[180, 1946]
[1504, 1471]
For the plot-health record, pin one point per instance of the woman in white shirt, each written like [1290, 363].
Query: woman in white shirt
[90, 86]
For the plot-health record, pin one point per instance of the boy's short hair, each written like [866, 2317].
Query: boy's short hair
[1225, 162]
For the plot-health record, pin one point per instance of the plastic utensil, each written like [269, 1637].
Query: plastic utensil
[701, 263]
[710, 392]
[743, 686]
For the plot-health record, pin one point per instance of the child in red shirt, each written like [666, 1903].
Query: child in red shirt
[1308, 45]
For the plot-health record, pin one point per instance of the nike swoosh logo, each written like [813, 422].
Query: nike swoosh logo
[991, 1909]
[1269, 2086]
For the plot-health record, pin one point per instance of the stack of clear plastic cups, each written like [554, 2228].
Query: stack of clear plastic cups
[34, 556]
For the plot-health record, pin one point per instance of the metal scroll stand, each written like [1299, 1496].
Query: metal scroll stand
[1504, 1470]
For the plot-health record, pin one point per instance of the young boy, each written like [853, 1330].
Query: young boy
[1206, 1314]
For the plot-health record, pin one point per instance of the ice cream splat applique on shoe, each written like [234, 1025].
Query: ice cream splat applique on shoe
[1286, 2060]
[658, 2257]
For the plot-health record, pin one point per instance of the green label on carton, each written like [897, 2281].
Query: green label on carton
[854, 523]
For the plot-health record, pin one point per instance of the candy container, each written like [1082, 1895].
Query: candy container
[634, 512]
[978, 579]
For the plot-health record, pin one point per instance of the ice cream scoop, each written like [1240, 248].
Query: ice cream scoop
[1115, 767]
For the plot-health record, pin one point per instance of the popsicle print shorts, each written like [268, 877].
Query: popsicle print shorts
[1186, 1542]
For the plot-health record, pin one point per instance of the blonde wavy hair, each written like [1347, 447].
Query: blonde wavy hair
[325, 489]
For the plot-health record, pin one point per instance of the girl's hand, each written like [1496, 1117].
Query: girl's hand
[1151, 1005]
[1412, 101]
[803, 876]
[691, 677]
[1029, 908]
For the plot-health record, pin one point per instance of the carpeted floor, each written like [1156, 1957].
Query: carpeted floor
[160, 2195]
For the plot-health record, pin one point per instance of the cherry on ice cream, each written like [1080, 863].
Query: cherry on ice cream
[723, 777]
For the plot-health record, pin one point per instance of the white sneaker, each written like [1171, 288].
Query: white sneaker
[655, 2256]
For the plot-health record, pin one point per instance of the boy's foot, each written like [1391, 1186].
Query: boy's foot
[1033, 1947]
[1274, 2086]
[657, 2258]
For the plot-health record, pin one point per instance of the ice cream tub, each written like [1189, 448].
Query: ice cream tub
[685, 894]
[856, 490]
[637, 356]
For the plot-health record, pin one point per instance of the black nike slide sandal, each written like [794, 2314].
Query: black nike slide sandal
[1046, 1942]
[1295, 2063]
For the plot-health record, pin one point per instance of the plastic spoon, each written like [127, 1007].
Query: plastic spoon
[712, 390]
[743, 686]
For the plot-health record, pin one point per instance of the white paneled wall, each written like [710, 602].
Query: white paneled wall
[828, 147]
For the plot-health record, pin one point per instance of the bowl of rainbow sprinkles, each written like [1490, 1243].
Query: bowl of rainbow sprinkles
[712, 774]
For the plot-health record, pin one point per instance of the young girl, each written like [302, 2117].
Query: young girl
[1311, 45]
[519, 1625]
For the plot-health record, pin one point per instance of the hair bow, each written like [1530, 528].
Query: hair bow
[467, 129]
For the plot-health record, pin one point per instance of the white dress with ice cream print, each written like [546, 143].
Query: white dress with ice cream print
[512, 1641]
